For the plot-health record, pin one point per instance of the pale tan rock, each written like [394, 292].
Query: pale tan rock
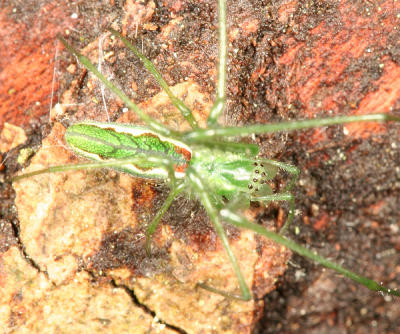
[31, 303]
[11, 136]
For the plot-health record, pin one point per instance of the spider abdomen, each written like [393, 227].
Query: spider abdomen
[111, 141]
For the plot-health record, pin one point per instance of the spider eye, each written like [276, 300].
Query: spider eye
[262, 173]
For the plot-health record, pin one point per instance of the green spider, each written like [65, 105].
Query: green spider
[222, 174]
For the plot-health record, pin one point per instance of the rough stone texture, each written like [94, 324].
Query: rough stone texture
[10, 137]
[31, 302]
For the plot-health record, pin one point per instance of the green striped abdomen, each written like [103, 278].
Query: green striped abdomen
[111, 141]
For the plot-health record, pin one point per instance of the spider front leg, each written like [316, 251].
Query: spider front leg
[199, 135]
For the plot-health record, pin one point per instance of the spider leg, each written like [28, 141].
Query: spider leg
[238, 147]
[182, 107]
[241, 222]
[175, 191]
[112, 163]
[220, 97]
[197, 135]
[203, 193]
[153, 124]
